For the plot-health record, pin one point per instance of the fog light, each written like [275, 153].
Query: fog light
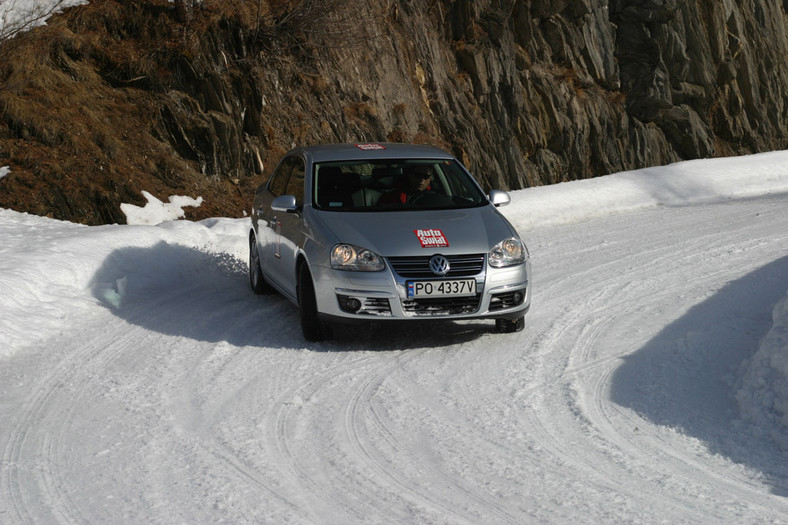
[354, 304]
[349, 304]
[518, 297]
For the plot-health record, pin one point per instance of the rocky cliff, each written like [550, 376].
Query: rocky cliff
[113, 98]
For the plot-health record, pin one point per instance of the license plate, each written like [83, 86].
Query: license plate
[449, 288]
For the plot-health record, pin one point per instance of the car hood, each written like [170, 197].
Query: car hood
[406, 233]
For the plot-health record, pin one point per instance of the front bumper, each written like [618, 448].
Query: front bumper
[502, 293]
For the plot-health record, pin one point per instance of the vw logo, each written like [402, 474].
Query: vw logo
[439, 265]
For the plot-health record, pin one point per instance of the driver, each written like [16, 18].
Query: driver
[418, 180]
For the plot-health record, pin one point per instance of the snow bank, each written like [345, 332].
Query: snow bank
[48, 267]
[682, 183]
[763, 389]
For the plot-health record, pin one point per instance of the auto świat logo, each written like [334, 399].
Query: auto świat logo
[431, 238]
[439, 265]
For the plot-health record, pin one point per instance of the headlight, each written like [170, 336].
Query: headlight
[508, 253]
[349, 257]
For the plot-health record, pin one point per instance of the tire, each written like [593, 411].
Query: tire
[256, 280]
[508, 326]
[313, 329]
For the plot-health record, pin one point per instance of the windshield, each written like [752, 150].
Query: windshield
[398, 184]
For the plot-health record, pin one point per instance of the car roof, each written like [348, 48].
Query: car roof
[371, 151]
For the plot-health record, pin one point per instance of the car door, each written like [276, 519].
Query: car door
[269, 228]
[284, 231]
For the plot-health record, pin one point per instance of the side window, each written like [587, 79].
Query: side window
[295, 186]
[278, 181]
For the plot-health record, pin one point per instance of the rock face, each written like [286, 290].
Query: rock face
[544, 91]
[523, 92]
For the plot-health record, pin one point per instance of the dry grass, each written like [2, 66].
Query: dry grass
[359, 111]
[79, 103]
[82, 98]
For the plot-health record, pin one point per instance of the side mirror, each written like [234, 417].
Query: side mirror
[499, 198]
[285, 203]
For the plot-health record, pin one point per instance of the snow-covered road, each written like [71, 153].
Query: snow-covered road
[141, 381]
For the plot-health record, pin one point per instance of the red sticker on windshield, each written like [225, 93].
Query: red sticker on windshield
[431, 238]
[367, 147]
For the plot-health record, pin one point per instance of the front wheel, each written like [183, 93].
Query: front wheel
[508, 326]
[256, 280]
[311, 326]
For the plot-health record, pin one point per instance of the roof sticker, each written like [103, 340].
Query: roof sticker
[368, 147]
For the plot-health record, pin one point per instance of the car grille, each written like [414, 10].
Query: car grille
[442, 306]
[419, 267]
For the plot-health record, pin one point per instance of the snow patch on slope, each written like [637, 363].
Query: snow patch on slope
[156, 211]
[18, 15]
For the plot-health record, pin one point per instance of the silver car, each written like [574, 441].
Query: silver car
[385, 232]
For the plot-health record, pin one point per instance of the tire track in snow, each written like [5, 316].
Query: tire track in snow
[360, 414]
[15, 455]
[203, 403]
[281, 438]
[356, 431]
[42, 428]
[561, 426]
[554, 422]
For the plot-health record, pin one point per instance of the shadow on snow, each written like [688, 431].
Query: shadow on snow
[182, 291]
[686, 376]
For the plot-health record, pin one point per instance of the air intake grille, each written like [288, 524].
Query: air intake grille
[442, 306]
[419, 267]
